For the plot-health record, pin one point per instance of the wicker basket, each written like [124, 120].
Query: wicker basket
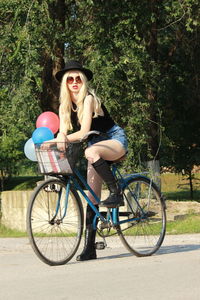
[52, 160]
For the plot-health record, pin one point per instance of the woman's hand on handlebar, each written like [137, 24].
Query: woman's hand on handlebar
[61, 142]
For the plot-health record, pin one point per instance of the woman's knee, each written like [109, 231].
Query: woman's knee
[87, 152]
[90, 153]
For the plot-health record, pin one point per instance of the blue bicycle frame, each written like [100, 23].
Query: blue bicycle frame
[113, 215]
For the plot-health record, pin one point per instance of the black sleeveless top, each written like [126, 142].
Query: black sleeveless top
[100, 123]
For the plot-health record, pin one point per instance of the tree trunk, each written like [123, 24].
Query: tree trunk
[191, 185]
[2, 182]
[154, 169]
[50, 88]
[49, 95]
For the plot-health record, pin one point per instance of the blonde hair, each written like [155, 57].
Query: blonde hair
[66, 102]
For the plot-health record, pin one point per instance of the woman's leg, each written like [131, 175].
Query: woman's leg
[97, 155]
[95, 182]
[108, 150]
[89, 250]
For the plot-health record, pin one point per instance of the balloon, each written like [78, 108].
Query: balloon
[48, 119]
[29, 150]
[41, 135]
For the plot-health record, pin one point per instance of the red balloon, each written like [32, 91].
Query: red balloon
[48, 119]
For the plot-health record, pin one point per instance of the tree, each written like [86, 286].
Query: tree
[179, 87]
[138, 52]
[32, 51]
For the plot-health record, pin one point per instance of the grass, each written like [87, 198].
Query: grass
[182, 196]
[189, 224]
[176, 187]
[8, 233]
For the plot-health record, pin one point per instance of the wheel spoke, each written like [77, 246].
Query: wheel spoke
[146, 233]
[54, 235]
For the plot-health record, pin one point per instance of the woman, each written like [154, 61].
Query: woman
[81, 110]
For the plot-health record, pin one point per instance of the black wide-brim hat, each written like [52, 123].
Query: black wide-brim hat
[73, 65]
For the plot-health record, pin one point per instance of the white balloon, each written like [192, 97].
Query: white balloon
[29, 150]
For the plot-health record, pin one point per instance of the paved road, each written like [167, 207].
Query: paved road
[173, 273]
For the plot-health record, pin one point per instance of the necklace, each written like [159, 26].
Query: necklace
[74, 107]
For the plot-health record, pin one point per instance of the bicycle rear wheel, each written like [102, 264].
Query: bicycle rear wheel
[54, 222]
[145, 207]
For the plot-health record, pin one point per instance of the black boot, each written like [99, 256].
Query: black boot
[89, 250]
[115, 198]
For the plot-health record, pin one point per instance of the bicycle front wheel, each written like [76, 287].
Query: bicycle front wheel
[145, 208]
[54, 222]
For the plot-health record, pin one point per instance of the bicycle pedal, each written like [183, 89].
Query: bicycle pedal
[105, 225]
[100, 245]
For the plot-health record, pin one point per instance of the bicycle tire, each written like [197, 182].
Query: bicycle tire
[54, 238]
[145, 234]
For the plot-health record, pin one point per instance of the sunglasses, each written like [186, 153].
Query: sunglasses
[71, 79]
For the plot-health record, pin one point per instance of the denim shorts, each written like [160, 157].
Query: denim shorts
[114, 133]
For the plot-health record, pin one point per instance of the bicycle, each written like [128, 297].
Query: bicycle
[55, 211]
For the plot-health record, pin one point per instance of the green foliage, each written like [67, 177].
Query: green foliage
[145, 58]
[111, 42]
[179, 85]
[22, 183]
[28, 47]
[20, 69]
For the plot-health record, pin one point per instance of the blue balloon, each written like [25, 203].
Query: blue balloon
[41, 135]
[29, 150]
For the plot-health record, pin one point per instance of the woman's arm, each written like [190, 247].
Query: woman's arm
[88, 110]
[62, 134]
[63, 129]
